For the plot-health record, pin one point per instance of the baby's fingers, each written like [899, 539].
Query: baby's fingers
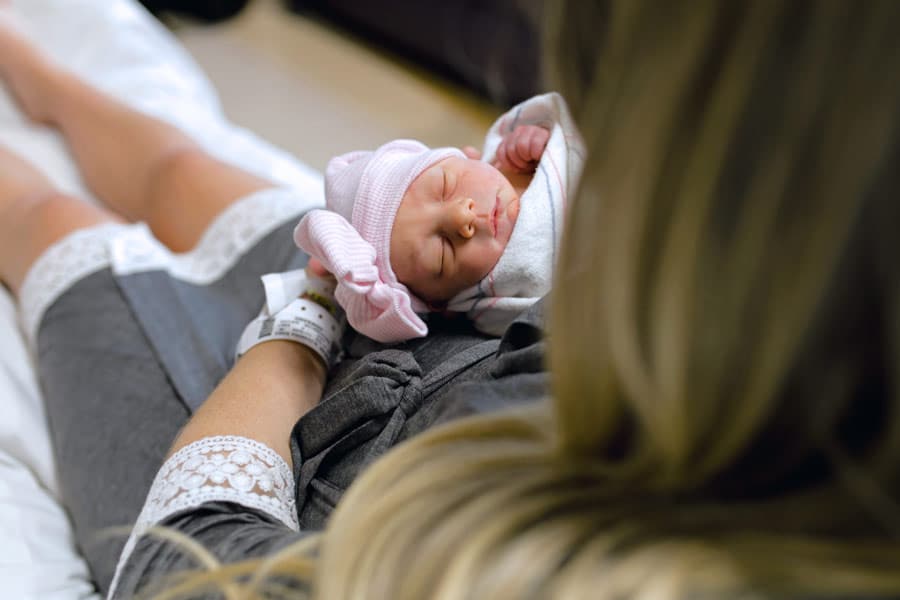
[530, 143]
[539, 139]
[511, 153]
[470, 151]
[501, 158]
[314, 267]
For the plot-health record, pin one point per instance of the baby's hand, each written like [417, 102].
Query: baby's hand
[521, 150]
[470, 151]
[314, 268]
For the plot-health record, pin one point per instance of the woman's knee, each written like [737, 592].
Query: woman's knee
[174, 173]
[54, 214]
[34, 221]
[188, 189]
[188, 176]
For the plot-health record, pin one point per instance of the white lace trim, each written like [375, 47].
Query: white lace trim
[71, 259]
[222, 468]
[217, 469]
[132, 249]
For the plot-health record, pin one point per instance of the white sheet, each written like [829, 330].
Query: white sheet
[117, 46]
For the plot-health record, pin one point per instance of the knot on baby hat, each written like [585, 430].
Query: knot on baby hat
[365, 189]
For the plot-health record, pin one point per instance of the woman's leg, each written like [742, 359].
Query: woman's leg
[139, 166]
[34, 215]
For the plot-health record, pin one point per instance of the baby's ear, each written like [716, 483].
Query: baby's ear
[471, 152]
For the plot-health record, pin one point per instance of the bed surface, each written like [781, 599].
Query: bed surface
[265, 65]
[37, 555]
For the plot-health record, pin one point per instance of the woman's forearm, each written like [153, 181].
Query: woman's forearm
[269, 389]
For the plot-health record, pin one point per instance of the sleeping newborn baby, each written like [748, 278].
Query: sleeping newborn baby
[410, 230]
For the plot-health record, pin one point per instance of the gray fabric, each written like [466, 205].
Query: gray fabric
[376, 398]
[232, 532]
[379, 397]
[125, 360]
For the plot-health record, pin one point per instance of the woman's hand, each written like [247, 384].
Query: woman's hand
[520, 151]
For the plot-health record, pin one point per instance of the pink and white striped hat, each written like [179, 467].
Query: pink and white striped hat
[352, 238]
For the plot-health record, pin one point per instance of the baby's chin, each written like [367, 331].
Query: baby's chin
[437, 300]
[507, 216]
[517, 181]
[513, 209]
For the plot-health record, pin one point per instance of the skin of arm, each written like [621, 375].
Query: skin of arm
[261, 398]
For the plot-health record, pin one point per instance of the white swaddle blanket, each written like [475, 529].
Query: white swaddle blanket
[524, 272]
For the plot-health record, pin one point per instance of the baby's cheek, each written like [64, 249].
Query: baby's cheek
[490, 256]
[512, 210]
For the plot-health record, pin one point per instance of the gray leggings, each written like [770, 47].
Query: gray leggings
[123, 362]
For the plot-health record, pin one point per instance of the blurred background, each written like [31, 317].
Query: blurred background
[322, 77]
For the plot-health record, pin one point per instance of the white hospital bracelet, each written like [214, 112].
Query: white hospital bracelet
[303, 321]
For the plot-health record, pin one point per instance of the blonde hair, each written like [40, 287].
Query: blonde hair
[724, 336]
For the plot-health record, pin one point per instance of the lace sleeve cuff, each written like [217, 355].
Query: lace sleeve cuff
[222, 469]
[217, 469]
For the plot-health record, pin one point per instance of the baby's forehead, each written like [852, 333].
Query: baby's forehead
[457, 164]
[456, 170]
[460, 162]
[463, 164]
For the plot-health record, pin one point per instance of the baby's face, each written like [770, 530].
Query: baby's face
[452, 226]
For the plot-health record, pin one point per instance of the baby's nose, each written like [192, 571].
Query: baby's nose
[464, 218]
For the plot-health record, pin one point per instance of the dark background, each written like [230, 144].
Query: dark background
[489, 46]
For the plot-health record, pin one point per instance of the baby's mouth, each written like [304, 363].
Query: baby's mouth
[494, 215]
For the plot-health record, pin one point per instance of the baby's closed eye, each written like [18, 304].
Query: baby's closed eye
[436, 258]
